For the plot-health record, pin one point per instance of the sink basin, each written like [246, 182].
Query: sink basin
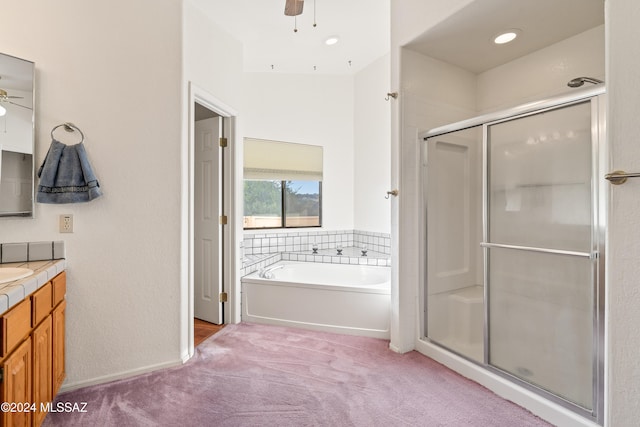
[9, 274]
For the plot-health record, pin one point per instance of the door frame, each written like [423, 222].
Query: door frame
[228, 265]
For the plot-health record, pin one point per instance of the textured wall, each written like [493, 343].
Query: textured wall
[372, 148]
[113, 69]
[623, 292]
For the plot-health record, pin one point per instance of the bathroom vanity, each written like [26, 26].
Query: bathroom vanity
[32, 343]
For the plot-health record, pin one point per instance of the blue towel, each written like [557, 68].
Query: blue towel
[66, 175]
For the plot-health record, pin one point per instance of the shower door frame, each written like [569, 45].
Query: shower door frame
[596, 95]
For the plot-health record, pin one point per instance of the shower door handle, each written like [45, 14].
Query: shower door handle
[620, 177]
[590, 255]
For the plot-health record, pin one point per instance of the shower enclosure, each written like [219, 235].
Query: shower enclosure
[514, 248]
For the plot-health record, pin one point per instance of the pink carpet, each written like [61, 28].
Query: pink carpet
[255, 375]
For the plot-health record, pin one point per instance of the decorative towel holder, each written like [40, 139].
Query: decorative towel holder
[69, 127]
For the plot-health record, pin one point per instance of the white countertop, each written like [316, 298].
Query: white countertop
[11, 293]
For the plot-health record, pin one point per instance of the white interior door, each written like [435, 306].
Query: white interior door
[207, 228]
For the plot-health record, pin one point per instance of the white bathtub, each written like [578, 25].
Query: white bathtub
[350, 299]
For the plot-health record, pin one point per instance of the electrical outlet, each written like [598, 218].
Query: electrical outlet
[66, 223]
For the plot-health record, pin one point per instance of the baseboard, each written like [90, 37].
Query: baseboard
[119, 376]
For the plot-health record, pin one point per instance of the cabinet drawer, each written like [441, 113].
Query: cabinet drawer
[59, 288]
[16, 325]
[41, 304]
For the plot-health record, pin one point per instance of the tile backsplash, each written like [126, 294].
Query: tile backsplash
[31, 251]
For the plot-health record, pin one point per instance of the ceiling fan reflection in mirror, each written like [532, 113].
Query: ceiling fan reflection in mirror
[5, 97]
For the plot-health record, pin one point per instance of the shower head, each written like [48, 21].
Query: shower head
[579, 81]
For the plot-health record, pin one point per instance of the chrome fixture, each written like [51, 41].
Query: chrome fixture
[620, 177]
[267, 272]
[364, 250]
[314, 247]
[393, 95]
[339, 249]
[579, 81]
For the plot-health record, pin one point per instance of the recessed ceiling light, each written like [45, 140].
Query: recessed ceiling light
[506, 36]
[331, 40]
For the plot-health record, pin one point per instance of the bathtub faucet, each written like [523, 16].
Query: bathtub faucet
[267, 272]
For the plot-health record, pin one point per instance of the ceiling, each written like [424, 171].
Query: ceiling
[464, 39]
[268, 37]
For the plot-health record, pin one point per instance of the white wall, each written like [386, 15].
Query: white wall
[623, 292]
[309, 109]
[113, 69]
[372, 148]
[543, 73]
[212, 58]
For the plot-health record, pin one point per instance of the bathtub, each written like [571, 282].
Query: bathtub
[343, 298]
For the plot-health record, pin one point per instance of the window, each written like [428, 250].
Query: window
[282, 184]
[282, 204]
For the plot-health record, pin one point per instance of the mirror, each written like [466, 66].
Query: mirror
[17, 97]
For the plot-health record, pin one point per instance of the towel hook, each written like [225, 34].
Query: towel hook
[393, 95]
[391, 193]
[69, 127]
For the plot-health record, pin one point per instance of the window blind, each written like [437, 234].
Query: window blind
[284, 161]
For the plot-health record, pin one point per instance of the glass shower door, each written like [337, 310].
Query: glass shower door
[540, 250]
[454, 274]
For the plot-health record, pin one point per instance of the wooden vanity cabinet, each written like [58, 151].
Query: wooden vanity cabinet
[32, 354]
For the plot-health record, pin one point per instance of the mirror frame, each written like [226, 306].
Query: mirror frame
[6, 63]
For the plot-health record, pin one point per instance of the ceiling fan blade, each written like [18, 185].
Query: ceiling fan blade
[23, 106]
[293, 7]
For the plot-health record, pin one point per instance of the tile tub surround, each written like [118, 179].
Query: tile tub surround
[259, 250]
[46, 259]
[269, 243]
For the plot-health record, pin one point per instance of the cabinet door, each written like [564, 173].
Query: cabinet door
[59, 372]
[41, 304]
[42, 369]
[16, 325]
[16, 386]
